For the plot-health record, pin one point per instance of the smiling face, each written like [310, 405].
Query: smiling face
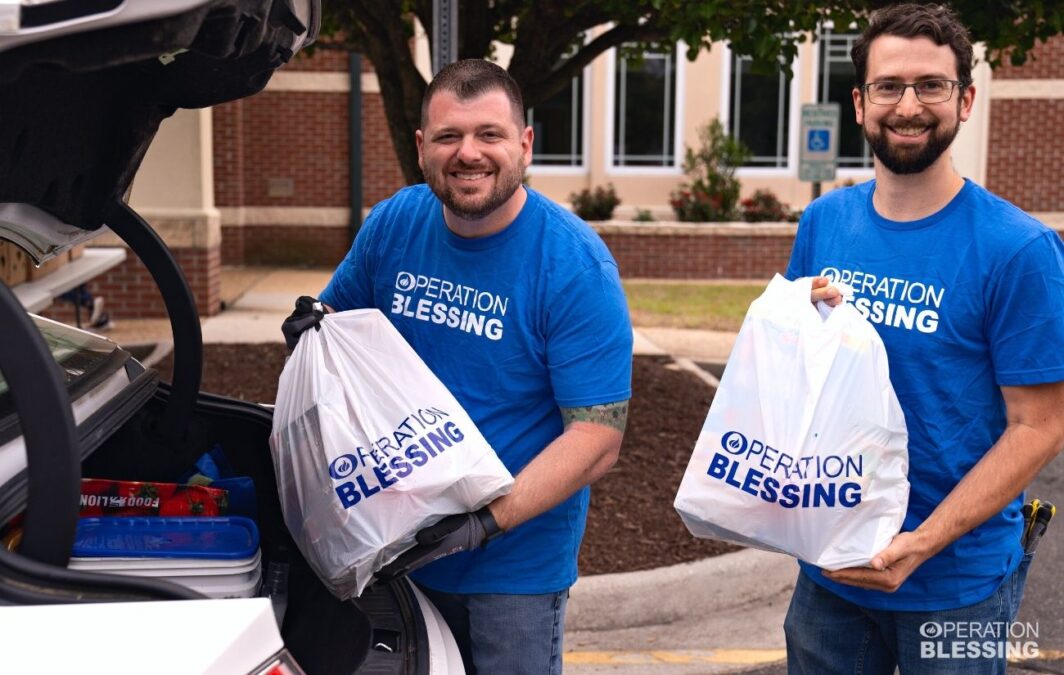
[474, 154]
[909, 137]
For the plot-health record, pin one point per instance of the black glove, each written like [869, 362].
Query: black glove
[308, 312]
[460, 532]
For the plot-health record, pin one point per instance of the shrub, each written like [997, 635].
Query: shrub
[643, 216]
[595, 205]
[764, 206]
[713, 191]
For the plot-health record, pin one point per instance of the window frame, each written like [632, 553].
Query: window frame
[678, 84]
[854, 173]
[582, 169]
[794, 118]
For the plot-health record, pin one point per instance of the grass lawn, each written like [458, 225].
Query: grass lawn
[708, 305]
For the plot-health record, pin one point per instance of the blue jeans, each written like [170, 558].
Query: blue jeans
[828, 635]
[502, 633]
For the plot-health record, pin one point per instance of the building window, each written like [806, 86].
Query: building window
[835, 83]
[644, 106]
[760, 113]
[558, 124]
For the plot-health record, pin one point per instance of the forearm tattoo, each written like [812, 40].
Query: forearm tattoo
[611, 415]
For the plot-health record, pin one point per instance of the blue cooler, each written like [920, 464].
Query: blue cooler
[218, 557]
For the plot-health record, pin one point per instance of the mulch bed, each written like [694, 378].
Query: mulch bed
[631, 523]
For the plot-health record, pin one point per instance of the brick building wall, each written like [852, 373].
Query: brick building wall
[1025, 143]
[1045, 61]
[299, 156]
[381, 175]
[227, 137]
[130, 292]
[322, 60]
[286, 148]
[1023, 160]
[686, 251]
[302, 245]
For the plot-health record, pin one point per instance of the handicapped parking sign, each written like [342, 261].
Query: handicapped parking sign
[819, 140]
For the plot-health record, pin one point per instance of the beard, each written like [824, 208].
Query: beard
[902, 160]
[467, 205]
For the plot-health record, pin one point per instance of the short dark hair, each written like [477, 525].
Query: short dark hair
[909, 20]
[470, 78]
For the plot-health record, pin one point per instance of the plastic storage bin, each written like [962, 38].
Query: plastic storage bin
[218, 557]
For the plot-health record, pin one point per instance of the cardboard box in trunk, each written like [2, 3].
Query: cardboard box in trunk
[14, 264]
[48, 267]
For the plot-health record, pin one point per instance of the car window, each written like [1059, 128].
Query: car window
[79, 354]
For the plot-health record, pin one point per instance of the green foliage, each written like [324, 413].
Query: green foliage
[550, 49]
[597, 204]
[764, 206]
[712, 192]
[643, 216]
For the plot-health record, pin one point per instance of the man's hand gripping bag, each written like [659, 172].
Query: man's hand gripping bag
[804, 450]
[369, 447]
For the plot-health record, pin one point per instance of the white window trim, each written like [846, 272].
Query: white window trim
[581, 169]
[841, 173]
[678, 120]
[794, 120]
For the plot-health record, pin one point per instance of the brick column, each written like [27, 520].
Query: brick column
[174, 192]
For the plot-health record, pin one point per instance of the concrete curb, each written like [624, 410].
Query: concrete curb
[642, 346]
[669, 594]
[692, 367]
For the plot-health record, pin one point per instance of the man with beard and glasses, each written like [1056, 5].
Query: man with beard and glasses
[967, 293]
[516, 305]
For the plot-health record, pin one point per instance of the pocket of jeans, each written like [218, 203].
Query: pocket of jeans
[1017, 584]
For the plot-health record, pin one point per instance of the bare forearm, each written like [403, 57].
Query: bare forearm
[581, 455]
[1033, 437]
[996, 480]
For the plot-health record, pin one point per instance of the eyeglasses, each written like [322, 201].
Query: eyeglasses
[927, 91]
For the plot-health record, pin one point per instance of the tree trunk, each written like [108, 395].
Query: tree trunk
[385, 38]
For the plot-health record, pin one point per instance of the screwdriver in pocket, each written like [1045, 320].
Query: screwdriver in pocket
[1029, 509]
[1044, 513]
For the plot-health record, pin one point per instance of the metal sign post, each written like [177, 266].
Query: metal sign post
[819, 144]
[444, 33]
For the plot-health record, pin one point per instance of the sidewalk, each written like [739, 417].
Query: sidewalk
[718, 615]
[255, 299]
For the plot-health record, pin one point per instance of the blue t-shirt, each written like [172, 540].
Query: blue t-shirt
[967, 300]
[516, 325]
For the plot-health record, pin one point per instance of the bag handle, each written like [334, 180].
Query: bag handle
[798, 293]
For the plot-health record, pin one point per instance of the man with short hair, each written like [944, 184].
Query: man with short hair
[516, 305]
[967, 292]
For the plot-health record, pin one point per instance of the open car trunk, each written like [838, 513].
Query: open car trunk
[381, 632]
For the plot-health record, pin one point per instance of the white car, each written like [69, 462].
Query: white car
[83, 87]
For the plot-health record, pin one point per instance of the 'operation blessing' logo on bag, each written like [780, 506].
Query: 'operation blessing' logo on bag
[342, 467]
[758, 469]
[422, 435]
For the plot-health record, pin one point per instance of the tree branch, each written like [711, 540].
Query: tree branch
[541, 85]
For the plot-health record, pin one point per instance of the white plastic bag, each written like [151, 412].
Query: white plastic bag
[804, 450]
[369, 447]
